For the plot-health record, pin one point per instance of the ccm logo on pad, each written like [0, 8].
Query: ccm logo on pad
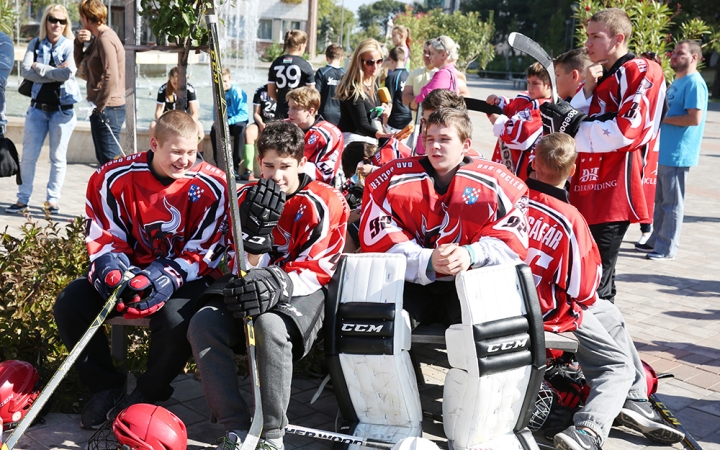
[509, 345]
[362, 328]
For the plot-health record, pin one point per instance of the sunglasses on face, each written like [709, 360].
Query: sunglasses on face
[52, 19]
[438, 44]
[373, 62]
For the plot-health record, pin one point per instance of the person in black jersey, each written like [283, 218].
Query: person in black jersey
[167, 101]
[326, 80]
[289, 71]
[395, 82]
[263, 113]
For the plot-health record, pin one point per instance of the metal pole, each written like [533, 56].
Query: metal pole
[342, 21]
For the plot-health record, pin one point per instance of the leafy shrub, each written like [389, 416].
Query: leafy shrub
[273, 52]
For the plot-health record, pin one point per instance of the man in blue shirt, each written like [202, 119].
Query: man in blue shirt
[680, 137]
[237, 112]
[7, 56]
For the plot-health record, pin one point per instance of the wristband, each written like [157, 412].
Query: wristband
[472, 254]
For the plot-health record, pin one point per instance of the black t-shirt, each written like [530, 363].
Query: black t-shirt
[170, 105]
[400, 115]
[326, 82]
[49, 92]
[266, 103]
[288, 72]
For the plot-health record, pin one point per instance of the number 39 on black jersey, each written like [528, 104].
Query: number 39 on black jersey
[289, 72]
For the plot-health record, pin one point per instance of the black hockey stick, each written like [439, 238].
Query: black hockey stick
[416, 132]
[524, 44]
[222, 134]
[689, 441]
[67, 364]
[338, 437]
[482, 106]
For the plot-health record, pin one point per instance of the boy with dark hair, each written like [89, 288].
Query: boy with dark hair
[326, 81]
[570, 72]
[400, 115]
[162, 215]
[520, 125]
[567, 268]
[293, 232]
[441, 213]
[324, 141]
[237, 117]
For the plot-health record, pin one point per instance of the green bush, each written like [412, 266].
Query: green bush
[272, 52]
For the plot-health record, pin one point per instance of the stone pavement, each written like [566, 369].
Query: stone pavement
[672, 310]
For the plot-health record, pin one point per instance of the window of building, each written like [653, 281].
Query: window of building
[265, 28]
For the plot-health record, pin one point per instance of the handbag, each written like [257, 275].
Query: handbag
[9, 159]
[25, 87]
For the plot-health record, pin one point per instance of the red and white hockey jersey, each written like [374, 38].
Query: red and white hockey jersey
[624, 112]
[517, 129]
[391, 151]
[129, 210]
[563, 257]
[483, 206]
[309, 236]
[324, 144]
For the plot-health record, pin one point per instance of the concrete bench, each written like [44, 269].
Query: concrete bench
[424, 334]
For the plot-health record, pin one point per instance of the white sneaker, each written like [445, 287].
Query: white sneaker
[271, 444]
[232, 440]
[643, 238]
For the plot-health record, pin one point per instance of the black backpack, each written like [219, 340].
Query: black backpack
[9, 160]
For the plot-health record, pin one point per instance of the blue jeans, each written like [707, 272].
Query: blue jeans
[669, 207]
[106, 139]
[59, 125]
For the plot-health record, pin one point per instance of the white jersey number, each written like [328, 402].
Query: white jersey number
[287, 76]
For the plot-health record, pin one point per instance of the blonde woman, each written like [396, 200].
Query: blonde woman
[357, 93]
[49, 64]
[289, 71]
[443, 54]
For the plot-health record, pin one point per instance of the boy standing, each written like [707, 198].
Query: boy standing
[400, 115]
[624, 98]
[237, 112]
[570, 70]
[326, 81]
[441, 212]
[520, 125]
[566, 265]
[324, 141]
[290, 268]
[162, 215]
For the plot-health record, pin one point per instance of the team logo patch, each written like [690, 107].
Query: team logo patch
[195, 193]
[312, 139]
[470, 195]
[287, 60]
[300, 212]
[525, 114]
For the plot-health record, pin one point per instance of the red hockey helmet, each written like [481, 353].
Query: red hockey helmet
[18, 380]
[149, 427]
[651, 378]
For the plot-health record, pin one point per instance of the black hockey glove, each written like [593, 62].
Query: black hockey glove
[258, 291]
[560, 117]
[148, 291]
[259, 214]
[354, 196]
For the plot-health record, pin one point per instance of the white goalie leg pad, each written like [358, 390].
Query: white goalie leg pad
[367, 341]
[415, 443]
[493, 359]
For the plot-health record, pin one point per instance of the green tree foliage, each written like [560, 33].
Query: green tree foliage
[7, 17]
[331, 19]
[180, 21]
[378, 13]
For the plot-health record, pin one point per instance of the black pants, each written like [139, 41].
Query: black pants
[436, 302]
[608, 237]
[237, 131]
[79, 304]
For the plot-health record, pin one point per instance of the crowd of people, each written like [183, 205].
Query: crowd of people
[566, 180]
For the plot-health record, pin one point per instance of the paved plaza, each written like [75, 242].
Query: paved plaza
[672, 309]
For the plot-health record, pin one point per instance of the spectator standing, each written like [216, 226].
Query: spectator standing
[263, 113]
[680, 138]
[395, 82]
[237, 117]
[419, 77]
[443, 54]
[7, 58]
[167, 101]
[358, 96]
[289, 71]
[105, 63]
[401, 37]
[326, 82]
[49, 64]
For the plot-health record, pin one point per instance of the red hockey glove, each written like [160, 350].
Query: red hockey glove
[106, 272]
[148, 291]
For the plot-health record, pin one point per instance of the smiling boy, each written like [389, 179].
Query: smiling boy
[162, 215]
[292, 258]
[446, 212]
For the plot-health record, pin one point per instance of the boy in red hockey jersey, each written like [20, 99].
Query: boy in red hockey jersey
[324, 141]
[615, 119]
[570, 72]
[446, 213]
[162, 215]
[520, 125]
[566, 265]
[293, 233]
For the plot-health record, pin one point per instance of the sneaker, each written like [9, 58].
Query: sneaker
[644, 248]
[17, 208]
[270, 444]
[51, 208]
[643, 238]
[659, 257]
[232, 440]
[95, 411]
[129, 400]
[642, 417]
[574, 439]
[247, 176]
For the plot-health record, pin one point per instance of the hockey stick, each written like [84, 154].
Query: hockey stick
[67, 364]
[689, 441]
[482, 106]
[223, 139]
[414, 138]
[524, 44]
[337, 437]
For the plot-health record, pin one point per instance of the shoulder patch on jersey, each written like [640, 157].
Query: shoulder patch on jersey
[312, 139]
[195, 192]
[300, 212]
[470, 195]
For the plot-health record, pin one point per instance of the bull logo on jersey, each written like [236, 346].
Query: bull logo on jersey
[160, 235]
[431, 237]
